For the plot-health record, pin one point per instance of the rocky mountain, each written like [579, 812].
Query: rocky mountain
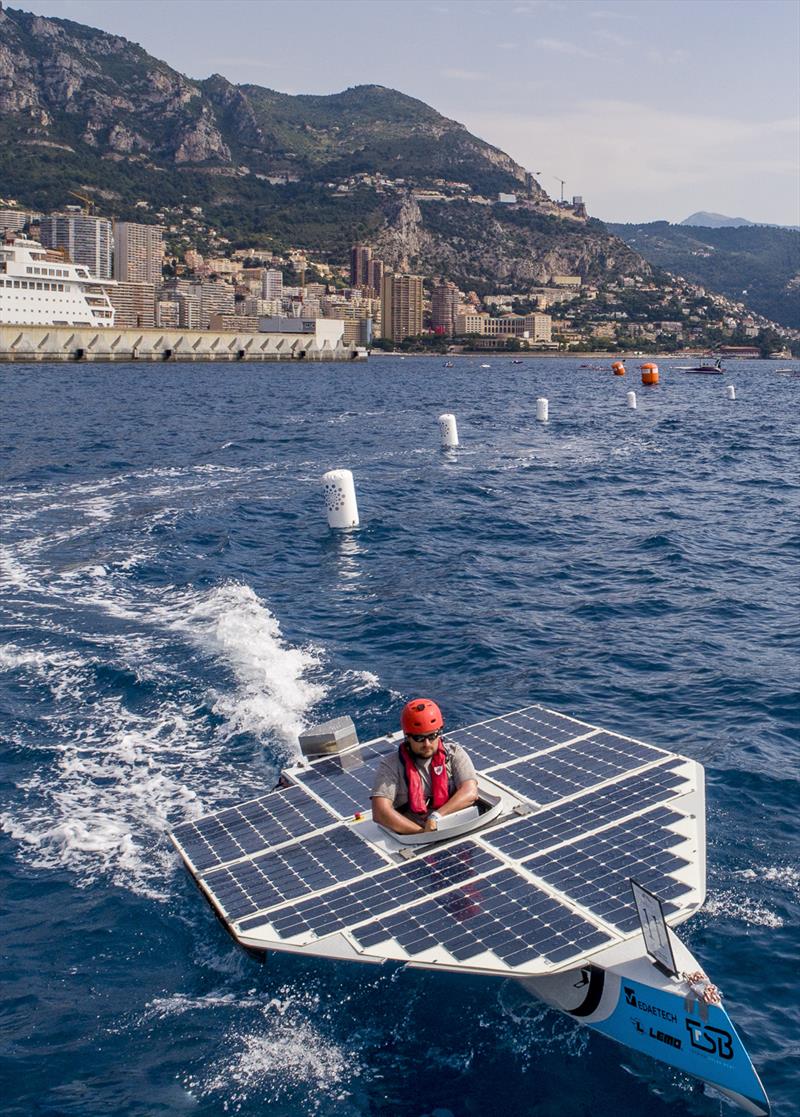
[82, 110]
[756, 264]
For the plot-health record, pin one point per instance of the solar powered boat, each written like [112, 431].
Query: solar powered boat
[584, 852]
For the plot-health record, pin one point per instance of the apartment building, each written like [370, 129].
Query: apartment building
[85, 240]
[401, 306]
[138, 252]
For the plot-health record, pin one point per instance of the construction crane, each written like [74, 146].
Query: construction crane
[562, 181]
[88, 204]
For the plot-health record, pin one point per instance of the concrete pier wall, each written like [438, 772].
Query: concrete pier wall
[69, 343]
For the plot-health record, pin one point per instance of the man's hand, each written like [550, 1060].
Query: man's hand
[431, 824]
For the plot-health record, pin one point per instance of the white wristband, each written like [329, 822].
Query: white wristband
[435, 816]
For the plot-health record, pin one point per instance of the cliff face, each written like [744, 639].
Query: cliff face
[518, 247]
[84, 110]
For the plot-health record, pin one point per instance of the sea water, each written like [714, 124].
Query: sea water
[175, 610]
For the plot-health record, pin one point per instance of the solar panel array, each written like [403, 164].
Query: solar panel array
[534, 891]
[595, 871]
[367, 897]
[589, 811]
[512, 736]
[241, 831]
[503, 913]
[345, 782]
[283, 874]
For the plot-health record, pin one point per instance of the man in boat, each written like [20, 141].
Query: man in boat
[426, 778]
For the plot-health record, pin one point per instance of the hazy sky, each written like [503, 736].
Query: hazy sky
[648, 108]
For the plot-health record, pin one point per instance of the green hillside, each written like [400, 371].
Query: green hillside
[758, 265]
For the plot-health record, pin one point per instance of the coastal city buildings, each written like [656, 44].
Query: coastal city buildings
[237, 289]
[83, 239]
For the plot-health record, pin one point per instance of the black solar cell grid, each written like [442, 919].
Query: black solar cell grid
[512, 736]
[545, 779]
[370, 896]
[589, 811]
[272, 878]
[345, 782]
[503, 913]
[246, 829]
[594, 871]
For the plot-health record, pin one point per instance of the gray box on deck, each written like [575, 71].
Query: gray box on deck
[329, 737]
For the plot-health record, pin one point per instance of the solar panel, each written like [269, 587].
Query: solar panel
[272, 878]
[591, 810]
[344, 782]
[503, 913]
[595, 870]
[363, 899]
[512, 736]
[250, 827]
[571, 768]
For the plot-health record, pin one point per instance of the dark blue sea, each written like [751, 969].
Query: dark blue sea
[175, 610]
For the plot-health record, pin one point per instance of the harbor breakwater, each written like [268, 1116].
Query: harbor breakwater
[91, 343]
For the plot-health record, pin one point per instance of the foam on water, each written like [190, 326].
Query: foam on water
[273, 693]
[730, 904]
[112, 780]
[277, 1053]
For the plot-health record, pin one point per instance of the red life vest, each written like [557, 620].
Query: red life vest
[440, 781]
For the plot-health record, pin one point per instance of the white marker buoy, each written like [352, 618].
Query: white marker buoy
[340, 498]
[448, 431]
[632, 400]
[542, 409]
[730, 392]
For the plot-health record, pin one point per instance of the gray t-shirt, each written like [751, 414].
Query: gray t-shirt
[390, 779]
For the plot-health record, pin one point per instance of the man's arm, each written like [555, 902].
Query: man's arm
[385, 815]
[463, 796]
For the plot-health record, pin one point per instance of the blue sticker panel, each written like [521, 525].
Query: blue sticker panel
[546, 779]
[512, 736]
[284, 874]
[369, 896]
[595, 871]
[706, 1046]
[503, 913]
[589, 811]
[250, 827]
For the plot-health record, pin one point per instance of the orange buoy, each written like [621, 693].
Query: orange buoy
[649, 373]
[618, 368]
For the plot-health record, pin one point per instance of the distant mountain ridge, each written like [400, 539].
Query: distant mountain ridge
[715, 220]
[720, 221]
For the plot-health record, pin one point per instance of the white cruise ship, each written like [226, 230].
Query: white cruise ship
[37, 290]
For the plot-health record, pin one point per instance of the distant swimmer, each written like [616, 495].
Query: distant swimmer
[426, 778]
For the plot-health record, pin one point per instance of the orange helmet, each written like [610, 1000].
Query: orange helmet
[421, 715]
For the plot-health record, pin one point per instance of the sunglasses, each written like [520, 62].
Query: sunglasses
[418, 738]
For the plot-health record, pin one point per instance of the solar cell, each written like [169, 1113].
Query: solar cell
[512, 736]
[588, 811]
[595, 871]
[369, 896]
[272, 878]
[503, 913]
[250, 827]
[557, 774]
[344, 782]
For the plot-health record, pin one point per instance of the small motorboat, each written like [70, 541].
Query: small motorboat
[448, 364]
[516, 361]
[710, 370]
[486, 366]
